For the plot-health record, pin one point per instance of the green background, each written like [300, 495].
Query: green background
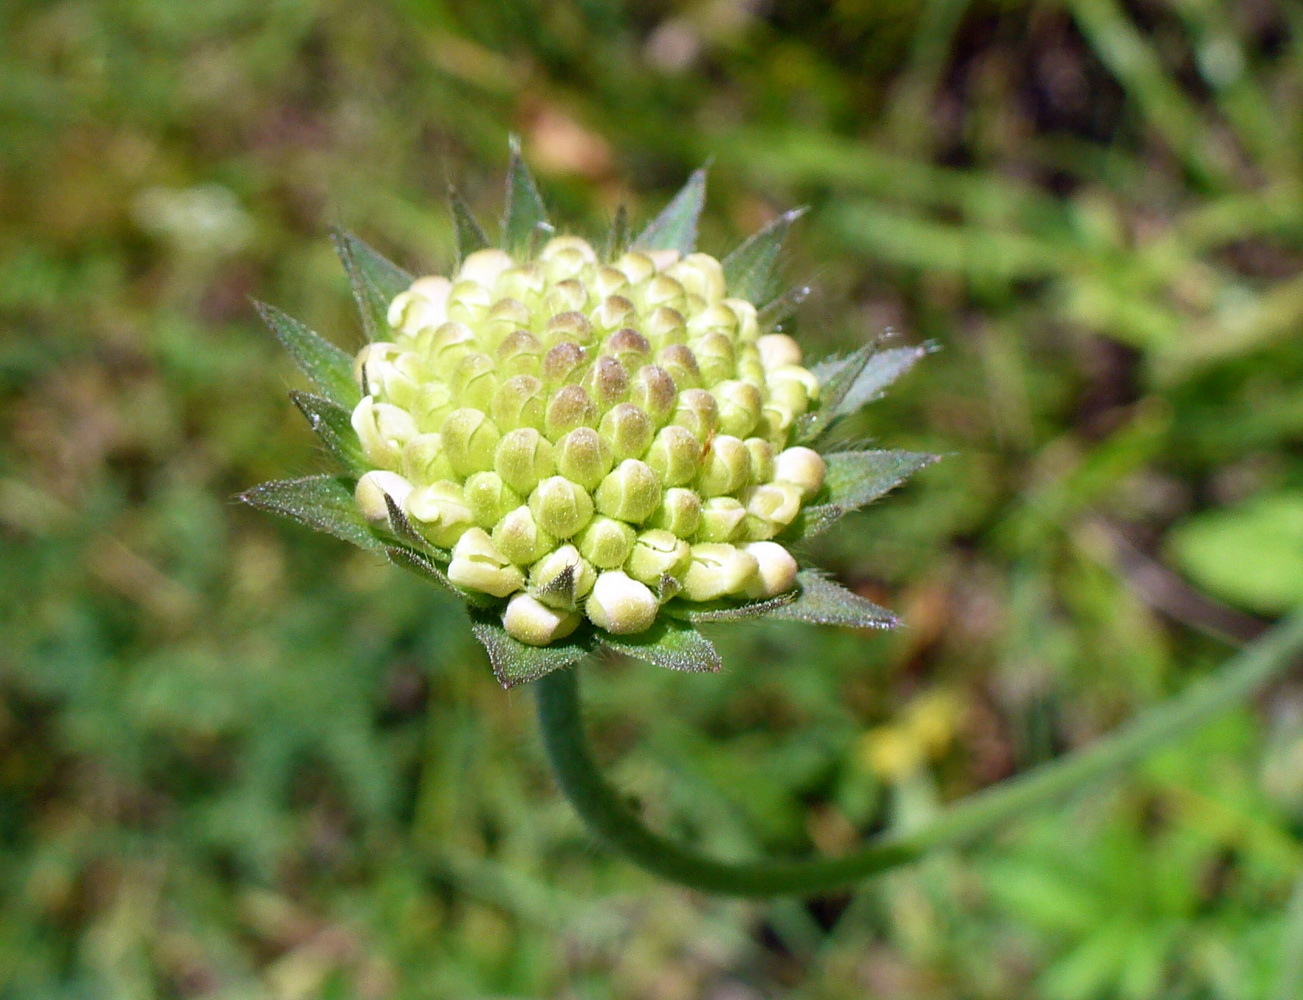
[238, 760]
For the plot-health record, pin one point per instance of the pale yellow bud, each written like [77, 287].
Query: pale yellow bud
[383, 429]
[716, 571]
[775, 570]
[778, 350]
[534, 623]
[440, 512]
[371, 491]
[484, 267]
[803, 467]
[620, 604]
[478, 565]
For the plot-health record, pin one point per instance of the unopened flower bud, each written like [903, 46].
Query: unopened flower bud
[440, 512]
[721, 519]
[564, 364]
[631, 492]
[566, 297]
[614, 312]
[679, 512]
[777, 503]
[523, 458]
[422, 306]
[525, 282]
[715, 357]
[489, 498]
[740, 405]
[717, 570]
[432, 406]
[532, 622]
[804, 467]
[775, 424]
[775, 570]
[605, 542]
[725, 467]
[371, 491]
[470, 439]
[620, 604]
[749, 367]
[608, 281]
[629, 347]
[748, 322]
[424, 461]
[657, 553]
[520, 353]
[468, 302]
[583, 457]
[448, 344]
[562, 577]
[569, 408]
[717, 318]
[628, 430]
[520, 401]
[478, 565]
[662, 290]
[665, 326]
[518, 536]
[675, 455]
[504, 318]
[607, 382]
[701, 275]
[778, 350]
[637, 267]
[793, 385]
[681, 365]
[652, 390]
[568, 328]
[696, 410]
[560, 506]
[484, 267]
[761, 455]
[665, 258]
[564, 263]
[576, 244]
[474, 380]
[383, 429]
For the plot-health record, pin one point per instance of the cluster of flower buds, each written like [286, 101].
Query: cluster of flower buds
[587, 437]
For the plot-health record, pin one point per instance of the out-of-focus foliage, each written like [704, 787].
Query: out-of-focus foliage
[241, 760]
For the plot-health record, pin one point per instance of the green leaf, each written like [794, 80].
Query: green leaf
[332, 423]
[669, 643]
[676, 227]
[855, 478]
[779, 309]
[325, 365]
[375, 281]
[820, 601]
[322, 502]
[832, 393]
[416, 563]
[525, 213]
[727, 611]
[617, 237]
[749, 270]
[881, 370]
[515, 662]
[470, 237]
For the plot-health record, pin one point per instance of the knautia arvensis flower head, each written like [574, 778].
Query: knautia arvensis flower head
[593, 445]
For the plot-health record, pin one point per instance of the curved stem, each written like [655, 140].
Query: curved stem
[601, 807]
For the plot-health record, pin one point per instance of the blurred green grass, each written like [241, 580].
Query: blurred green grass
[238, 760]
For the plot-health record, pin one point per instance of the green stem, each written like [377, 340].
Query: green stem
[602, 809]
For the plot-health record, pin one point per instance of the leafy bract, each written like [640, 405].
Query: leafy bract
[749, 270]
[855, 478]
[470, 237]
[332, 423]
[515, 662]
[326, 366]
[881, 369]
[820, 601]
[669, 643]
[725, 610]
[374, 279]
[322, 502]
[525, 213]
[676, 227]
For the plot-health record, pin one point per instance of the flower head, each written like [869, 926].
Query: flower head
[590, 446]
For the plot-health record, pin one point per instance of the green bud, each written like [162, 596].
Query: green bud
[740, 405]
[520, 353]
[775, 570]
[434, 402]
[721, 519]
[608, 281]
[565, 297]
[520, 401]
[567, 244]
[606, 382]
[631, 492]
[564, 364]
[803, 467]
[627, 429]
[675, 455]
[679, 512]
[424, 461]
[761, 455]
[424, 305]
[701, 275]
[468, 302]
[652, 390]
[681, 365]
[504, 318]
[560, 506]
[614, 312]
[583, 457]
[447, 345]
[715, 359]
[748, 321]
[636, 266]
[777, 350]
[629, 347]
[519, 537]
[749, 367]
[534, 623]
[391, 375]
[523, 459]
[666, 326]
[371, 491]
[725, 467]
[569, 408]
[484, 267]
[775, 424]
[473, 380]
[564, 263]
[619, 604]
[655, 554]
[371, 354]
[717, 318]
[794, 381]
[777, 503]
[662, 290]
[605, 542]
[489, 498]
[470, 439]
[562, 577]
[696, 410]
[525, 282]
[383, 429]
[568, 328]
[478, 565]
[716, 571]
[440, 512]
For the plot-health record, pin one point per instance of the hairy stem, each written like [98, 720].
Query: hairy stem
[602, 809]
